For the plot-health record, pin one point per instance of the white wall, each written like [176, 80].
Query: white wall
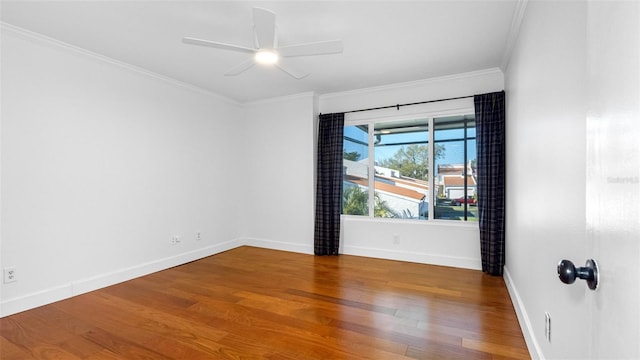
[278, 162]
[101, 164]
[434, 242]
[546, 134]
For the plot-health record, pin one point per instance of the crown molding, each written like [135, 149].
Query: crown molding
[409, 84]
[309, 94]
[34, 36]
[514, 31]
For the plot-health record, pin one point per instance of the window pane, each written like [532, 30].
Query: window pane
[455, 158]
[401, 169]
[355, 183]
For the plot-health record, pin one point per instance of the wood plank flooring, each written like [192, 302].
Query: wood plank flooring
[252, 303]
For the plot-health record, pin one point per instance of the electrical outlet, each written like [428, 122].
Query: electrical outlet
[10, 275]
[547, 326]
[175, 239]
[198, 236]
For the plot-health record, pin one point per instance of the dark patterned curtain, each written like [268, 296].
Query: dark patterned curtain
[490, 135]
[329, 184]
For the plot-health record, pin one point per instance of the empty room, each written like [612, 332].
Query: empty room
[320, 179]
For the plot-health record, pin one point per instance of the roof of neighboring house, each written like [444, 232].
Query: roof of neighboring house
[421, 184]
[446, 169]
[457, 180]
[455, 169]
[388, 188]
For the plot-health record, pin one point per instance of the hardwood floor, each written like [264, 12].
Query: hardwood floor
[252, 303]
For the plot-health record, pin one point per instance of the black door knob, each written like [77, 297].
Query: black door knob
[568, 273]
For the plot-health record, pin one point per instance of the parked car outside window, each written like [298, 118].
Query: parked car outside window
[460, 201]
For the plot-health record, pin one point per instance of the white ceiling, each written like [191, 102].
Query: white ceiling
[385, 42]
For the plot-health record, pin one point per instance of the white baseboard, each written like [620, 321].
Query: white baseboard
[279, 245]
[416, 257]
[523, 318]
[34, 300]
[48, 296]
[423, 258]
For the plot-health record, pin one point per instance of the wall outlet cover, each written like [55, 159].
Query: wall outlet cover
[10, 275]
[547, 326]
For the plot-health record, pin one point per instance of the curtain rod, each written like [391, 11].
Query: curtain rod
[397, 106]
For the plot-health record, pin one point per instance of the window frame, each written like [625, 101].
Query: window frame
[370, 121]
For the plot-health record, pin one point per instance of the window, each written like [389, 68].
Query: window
[401, 169]
[454, 187]
[396, 169]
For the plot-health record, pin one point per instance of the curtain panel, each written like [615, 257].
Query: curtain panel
[490, 142]
[329, 184]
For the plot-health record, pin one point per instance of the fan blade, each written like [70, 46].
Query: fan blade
[291, 71]
[242, 67]
[264, 26]
[218, 45]
[316, 48]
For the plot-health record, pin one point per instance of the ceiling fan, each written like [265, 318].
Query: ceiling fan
[266, 50]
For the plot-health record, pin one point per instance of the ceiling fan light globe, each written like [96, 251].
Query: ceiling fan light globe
[266, 57]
